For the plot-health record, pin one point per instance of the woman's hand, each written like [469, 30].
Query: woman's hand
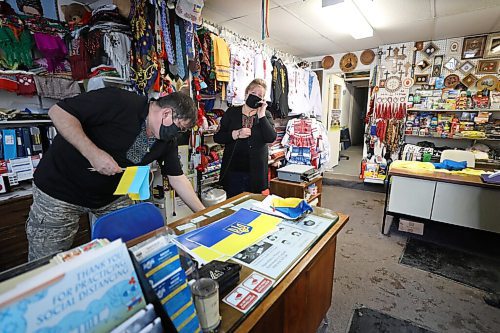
[242, 133]
[261, 111]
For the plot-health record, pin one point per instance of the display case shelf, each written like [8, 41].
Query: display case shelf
[454, 138]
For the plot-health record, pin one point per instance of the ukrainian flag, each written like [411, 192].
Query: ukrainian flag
[135, 183]
[236, 232]
[292, 207]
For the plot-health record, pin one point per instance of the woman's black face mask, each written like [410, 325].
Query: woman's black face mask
[253, 101]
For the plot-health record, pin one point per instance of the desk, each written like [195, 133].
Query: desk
[463, 200]
[300, 300]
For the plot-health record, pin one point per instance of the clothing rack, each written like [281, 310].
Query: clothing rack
[235, 37]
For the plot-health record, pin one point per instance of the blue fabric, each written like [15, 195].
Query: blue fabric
[128, 223]
[451, 165]
[302, 208]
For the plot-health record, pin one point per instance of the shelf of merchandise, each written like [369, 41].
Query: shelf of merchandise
[23, 122]
[439, 110]
[454, 138]
[374, 181]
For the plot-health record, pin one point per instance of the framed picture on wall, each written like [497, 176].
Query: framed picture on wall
[473, 47]
[45, 8]
[422, 78]
[492, 49]
[487, 67]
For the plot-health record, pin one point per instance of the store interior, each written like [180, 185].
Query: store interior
[356, 193]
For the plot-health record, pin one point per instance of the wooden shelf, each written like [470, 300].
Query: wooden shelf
[454, 138]
[286, 189]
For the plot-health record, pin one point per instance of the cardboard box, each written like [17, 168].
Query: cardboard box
[411, 226]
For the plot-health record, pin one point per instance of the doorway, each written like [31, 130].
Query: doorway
[352, 134]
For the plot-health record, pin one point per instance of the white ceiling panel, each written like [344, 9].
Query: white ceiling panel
[453, 7]
[477, 22]
[304, 28]
[419, 30]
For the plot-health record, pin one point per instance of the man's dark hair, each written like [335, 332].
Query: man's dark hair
[183, 106]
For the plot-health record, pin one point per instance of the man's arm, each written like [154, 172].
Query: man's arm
[185, 190]
[71, 129]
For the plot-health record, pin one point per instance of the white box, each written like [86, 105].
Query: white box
[411, 226]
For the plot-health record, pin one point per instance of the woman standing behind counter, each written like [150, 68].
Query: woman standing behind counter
[246, 130]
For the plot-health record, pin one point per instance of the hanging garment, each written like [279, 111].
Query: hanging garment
[315, 103]
[280, 88]
[53, 49]
[56, 87]
[242, 73]
[15, 47]
[117, 47]
[221, 59]
[26, 85]
[79, 59]
[169, 48]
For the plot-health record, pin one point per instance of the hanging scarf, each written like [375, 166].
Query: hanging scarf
[53, 49]
[166, 35]
[180, 53]
[117, 47]
[16, 51]
[144, 65]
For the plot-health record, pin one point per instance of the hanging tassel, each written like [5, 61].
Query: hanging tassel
[265, 19]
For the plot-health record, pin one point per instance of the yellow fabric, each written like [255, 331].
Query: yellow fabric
[469, 171]
[287, 202]
[221, 59]
[413, 165]
[126, 181]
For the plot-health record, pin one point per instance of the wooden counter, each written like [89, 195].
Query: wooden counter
[300, 301]
[428, 196]
[443, 177]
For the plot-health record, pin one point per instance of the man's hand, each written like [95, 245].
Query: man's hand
[104, 163]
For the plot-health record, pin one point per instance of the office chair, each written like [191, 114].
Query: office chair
[128, 223]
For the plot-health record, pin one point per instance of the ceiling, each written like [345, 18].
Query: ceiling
[305, 29]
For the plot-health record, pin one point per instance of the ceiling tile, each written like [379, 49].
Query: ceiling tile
[470, 23]
[419, 30]
[389, 14]
[234, 9]
[446, 7]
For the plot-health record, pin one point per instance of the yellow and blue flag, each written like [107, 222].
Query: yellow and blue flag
[135, 183]
[234, 233]
[292, 207]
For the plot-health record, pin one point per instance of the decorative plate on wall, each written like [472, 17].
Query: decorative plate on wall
[469, 80]
[419, 46]
[367, 57]
[327, 62]
[454, 47]
[348, 62]
[451, 81]
[393, 83]
[408, 82]
[487, 82]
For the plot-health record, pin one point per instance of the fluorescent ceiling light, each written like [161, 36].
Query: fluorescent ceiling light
[346, 16]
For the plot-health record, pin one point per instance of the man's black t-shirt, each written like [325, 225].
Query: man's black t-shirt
[114, 120]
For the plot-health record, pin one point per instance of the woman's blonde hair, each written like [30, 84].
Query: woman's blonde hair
[256, 82]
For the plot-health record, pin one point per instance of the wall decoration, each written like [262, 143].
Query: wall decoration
[438, 64]
[466, 67]
[408, 82]
[393, 83]
[327, 62]
[469, 80]
[473, 47]
[381, 83]
[422, 78]
[487, 82]
[423, 65]
[419, 46]
[454, 46]
[430, 49]
[487, 67]
[451, 81]
[451, 64]
[348, 62]
[492, 49]
[367, 57]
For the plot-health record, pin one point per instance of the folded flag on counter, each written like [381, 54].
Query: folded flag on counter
[135, 183]
[293, 207]
[451, 165]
